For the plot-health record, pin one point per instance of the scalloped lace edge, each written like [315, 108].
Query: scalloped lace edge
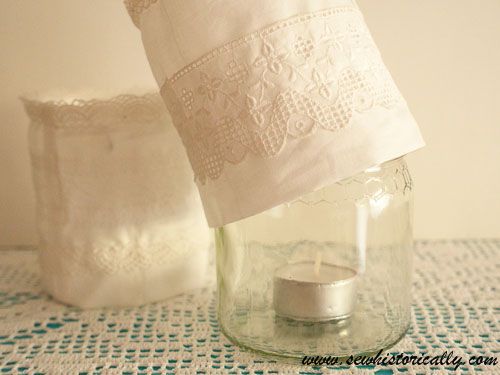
[80, 113]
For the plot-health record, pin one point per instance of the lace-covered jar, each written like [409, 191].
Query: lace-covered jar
[274, 100]
[116, 204]
[326, 274]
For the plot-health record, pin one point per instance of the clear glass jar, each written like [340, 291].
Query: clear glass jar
[327, 274]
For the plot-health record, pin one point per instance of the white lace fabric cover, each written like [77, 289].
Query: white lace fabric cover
[120, 221]
[272, 99]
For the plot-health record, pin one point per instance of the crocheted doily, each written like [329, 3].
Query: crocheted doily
[456, 307]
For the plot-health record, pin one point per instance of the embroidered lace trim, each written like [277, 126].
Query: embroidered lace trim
[136, 7]
[116, 259]
[287, 81]
[86, 114]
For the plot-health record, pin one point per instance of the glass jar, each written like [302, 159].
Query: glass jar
[326, 274]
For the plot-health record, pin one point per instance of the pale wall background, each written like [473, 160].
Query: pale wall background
[444, 55]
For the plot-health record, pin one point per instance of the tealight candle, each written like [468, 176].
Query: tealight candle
[314, 291]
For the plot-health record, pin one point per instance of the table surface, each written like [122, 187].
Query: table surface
[456, 307]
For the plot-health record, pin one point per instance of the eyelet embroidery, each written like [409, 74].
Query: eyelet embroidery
[289, 80]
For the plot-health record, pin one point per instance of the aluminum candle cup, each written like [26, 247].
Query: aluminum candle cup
[308, 292]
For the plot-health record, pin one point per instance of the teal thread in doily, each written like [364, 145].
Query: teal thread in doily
[456, 307]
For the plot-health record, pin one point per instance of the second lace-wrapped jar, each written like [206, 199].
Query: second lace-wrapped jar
[120, 221]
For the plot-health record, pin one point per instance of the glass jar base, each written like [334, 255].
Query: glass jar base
[339, 320]
[295, 339]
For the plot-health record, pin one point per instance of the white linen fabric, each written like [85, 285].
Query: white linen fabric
[272, 99]
[120, 221]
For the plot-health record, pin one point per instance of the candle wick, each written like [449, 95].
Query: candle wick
[317, 263]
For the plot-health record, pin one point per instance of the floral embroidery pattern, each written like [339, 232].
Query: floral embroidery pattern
[237, 72]
[321, 84]
[272, 60]
[208, 86]
[309, 73]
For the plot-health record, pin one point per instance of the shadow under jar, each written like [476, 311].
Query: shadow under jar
[326, 274]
